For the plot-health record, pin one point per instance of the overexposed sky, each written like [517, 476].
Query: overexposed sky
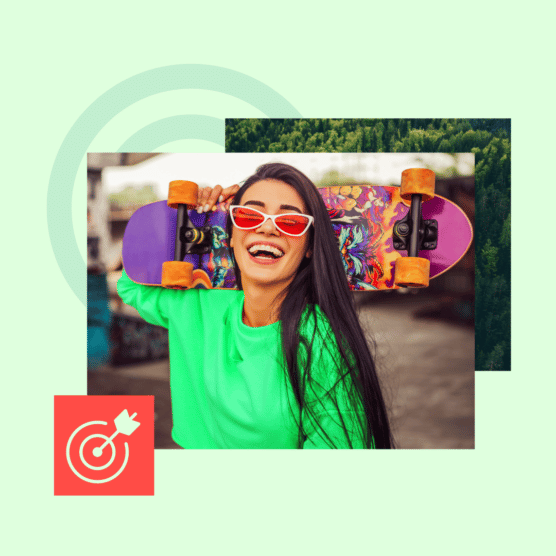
[230, 168]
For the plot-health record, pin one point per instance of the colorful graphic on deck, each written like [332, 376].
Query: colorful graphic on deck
[215, 269]
[362, 218]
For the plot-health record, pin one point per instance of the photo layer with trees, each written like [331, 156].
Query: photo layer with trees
[489, 139]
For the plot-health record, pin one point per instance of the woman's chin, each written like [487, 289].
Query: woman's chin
[264, 276]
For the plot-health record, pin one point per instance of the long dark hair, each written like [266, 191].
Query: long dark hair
[321, 282]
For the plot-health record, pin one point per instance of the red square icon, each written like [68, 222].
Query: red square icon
[104, 445]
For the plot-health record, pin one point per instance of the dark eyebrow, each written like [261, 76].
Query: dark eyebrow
[282, 207]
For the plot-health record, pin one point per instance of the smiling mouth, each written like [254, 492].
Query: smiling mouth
[266, 252]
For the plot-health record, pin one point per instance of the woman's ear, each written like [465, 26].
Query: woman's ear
[308, 254]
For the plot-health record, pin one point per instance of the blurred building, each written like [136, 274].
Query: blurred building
[115, 332]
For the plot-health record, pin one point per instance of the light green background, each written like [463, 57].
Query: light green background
[349, 60]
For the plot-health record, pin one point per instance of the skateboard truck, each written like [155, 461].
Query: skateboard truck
[412, 233]
[190, 240]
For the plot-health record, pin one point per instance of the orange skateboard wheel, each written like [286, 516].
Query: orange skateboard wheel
[177, 275]
[412, 272]
[182, 192]
[417, 181]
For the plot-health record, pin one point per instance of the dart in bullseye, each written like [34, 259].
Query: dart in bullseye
[124, 424]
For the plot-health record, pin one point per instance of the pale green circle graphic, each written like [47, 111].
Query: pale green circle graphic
[112, 102]
[175, 128]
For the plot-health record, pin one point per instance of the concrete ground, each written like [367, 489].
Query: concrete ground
[426, 365]
[428, 371]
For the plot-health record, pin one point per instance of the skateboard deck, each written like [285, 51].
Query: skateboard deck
[363, 218]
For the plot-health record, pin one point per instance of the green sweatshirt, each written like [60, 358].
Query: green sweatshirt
[228, 384]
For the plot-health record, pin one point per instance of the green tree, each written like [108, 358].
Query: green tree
[495, 359]
[489, 258]
[506, 235]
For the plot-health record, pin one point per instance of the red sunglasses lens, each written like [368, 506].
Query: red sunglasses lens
[292, 223]
[247, 218]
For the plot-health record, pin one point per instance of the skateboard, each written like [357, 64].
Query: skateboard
[388, 236]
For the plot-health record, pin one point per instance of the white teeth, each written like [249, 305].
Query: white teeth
[268, 248]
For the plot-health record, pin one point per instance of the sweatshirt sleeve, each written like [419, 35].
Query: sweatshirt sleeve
[152, 302]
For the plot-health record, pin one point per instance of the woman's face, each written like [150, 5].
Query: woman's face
[257, 266]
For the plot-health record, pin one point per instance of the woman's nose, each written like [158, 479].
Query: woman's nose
[268, 227]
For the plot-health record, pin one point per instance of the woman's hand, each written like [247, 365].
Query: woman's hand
[209, 196]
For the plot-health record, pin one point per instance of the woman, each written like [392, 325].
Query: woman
[282, 363]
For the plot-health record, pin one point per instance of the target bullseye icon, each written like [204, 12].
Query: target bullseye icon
[124, 424]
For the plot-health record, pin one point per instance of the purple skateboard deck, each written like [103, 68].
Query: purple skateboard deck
[362, 217]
